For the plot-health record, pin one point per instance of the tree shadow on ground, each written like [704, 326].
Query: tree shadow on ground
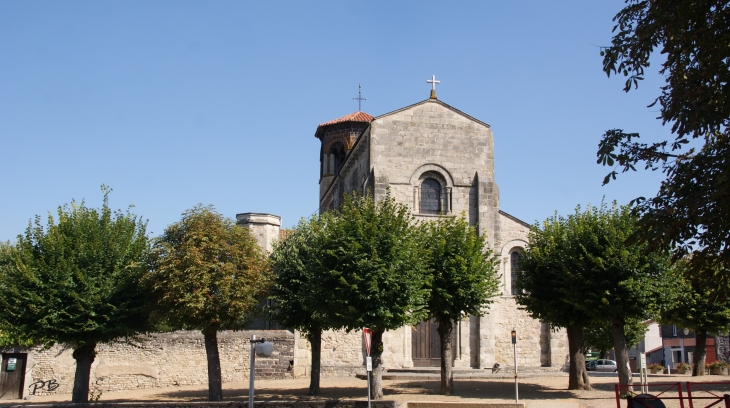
[480, 389]
[467, 389]
[603, 386]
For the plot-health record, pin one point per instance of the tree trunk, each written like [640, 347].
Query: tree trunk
[84, 356]
[376, 378]
[315, 339]
[700, 354]
[447, 378]
[215, 389]
[578, 377]
[622, 353]
[603, 354]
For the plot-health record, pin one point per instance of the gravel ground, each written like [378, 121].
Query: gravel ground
[543, 391]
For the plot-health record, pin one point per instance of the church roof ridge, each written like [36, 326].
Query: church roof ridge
[513, 218]
[444, 104]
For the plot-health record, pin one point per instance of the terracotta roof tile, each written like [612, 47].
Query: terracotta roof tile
[353, 117]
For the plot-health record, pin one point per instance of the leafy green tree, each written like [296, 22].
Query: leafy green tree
[75, 281]
[208, 273]
[692, 38]
[302, 287]
[550, 285]
[698, 309]
[372, 252]
[599, 336]
[600, 276]
[625, 281]
[463, 280]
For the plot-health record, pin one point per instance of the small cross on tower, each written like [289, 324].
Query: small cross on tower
[433, 83]
[359, 98]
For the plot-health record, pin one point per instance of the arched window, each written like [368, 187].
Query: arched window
[430, 196]
[514, 264]
[338, 151]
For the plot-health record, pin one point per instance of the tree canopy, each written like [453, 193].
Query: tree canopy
[464, 280]
[302, 287]
[692, 37]
[207, 274]
[372, 252]
[549, 288]
[75, 281]
[599, 335]
[698, 308]
[584, 261]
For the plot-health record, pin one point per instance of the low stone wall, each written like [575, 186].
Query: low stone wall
[158, 360]
[232, 404]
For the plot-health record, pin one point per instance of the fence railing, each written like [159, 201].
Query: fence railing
[655, 394]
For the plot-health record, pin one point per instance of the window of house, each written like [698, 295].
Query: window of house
[430, 196]
[514, 264]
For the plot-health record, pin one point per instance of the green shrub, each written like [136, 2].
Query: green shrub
[655, 366]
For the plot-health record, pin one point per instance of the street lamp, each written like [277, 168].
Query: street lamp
[514, 351]
[264, 349]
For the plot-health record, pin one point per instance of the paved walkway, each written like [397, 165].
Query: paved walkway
[537, 392]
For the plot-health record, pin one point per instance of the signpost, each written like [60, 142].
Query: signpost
[514, 349]
[643, 375]
[367, 335]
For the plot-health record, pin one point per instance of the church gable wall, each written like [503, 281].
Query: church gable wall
[431, 133]
[458, 148]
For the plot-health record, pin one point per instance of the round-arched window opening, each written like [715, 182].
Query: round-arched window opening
[430, 196]
[338, 151]
[514, 263]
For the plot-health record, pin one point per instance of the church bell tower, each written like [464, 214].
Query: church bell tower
[337, 137]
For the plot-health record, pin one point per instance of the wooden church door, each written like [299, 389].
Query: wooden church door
[426, 345]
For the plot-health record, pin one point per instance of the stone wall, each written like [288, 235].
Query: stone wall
[513, 236]
[511, 229]
[161, 360]
[343, 354]
[343, 403]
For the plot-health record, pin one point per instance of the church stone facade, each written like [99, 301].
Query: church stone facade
[440, 162]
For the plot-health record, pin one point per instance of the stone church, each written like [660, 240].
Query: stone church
[440, 162]
[434, 158]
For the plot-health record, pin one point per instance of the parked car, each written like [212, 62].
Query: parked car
[591, 365]
[603, 365]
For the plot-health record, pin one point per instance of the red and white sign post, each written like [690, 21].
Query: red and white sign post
[367, 335]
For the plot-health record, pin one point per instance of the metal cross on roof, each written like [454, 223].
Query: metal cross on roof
[433, 83]
[359, 98]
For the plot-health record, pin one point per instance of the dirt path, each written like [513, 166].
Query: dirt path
[537, 392]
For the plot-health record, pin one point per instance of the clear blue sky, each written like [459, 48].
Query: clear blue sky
[174, 103]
